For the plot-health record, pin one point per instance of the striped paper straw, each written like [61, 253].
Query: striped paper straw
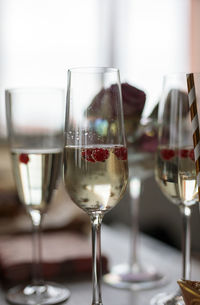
[195, 124]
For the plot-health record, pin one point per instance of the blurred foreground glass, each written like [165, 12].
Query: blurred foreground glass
[35, 120]
[95, 155]
[175, 166]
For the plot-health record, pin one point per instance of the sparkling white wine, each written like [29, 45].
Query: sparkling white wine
[176, 175]
[95, 177]
[36, 173]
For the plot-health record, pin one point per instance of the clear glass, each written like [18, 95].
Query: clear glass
[175, 170]
[35, 121]
[95, 154]
[136, 274]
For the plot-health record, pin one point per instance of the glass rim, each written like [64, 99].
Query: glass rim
[93, 70]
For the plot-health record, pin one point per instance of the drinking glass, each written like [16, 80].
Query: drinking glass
[95, 154]
[175, 166]
[35, 124]
[136, 274]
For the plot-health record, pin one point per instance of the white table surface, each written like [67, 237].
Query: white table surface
[116, 245]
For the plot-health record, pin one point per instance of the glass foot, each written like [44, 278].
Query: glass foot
[49, 293]
[168, 299]
[136, 278]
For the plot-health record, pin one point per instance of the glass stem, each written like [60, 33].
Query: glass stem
[135, 192]
[186, 242]
[96, 220]
[36, 218]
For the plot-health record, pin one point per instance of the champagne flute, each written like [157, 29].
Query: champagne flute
[35, 130]
[95, 154]
[175, 166]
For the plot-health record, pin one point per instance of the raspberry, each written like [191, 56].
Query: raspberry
[121, 153]
[87, 154]
[167, 154]
[191, 154]
[100, 154]
[24, 158]
[183, 153]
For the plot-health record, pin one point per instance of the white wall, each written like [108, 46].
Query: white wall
[40, 40]
[157, 43]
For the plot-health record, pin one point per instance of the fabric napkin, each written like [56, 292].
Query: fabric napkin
[65, 255]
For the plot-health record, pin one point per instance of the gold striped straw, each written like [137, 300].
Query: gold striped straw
[195, 124]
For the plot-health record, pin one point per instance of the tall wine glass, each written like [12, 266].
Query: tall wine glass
[35, 124]
[95, 154]
[175, 166]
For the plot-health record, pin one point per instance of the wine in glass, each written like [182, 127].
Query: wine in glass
[35, 131]
[95, 153]
[175, 166]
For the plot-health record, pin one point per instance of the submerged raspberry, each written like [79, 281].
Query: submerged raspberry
[187, 153]
[100, 154]
[121, 153]
[183, 153]
[167, 154]
[95, 154]
[191, 154]
[24, 158]
[87, 154]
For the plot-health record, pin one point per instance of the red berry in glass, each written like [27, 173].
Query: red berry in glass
[100, 154]
[88, 154]
[121, 153]
[24, 158]
[167, 153]
[184, 153]
[191, 154]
